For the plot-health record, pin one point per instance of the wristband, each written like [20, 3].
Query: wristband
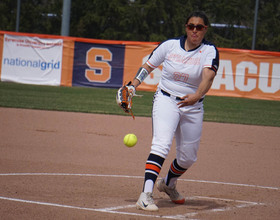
[141, 74]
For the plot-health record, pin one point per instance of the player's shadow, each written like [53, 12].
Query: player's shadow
[193, 204]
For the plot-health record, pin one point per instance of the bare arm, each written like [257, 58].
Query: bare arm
[207, 80]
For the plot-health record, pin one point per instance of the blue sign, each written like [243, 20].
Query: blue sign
[98, 65]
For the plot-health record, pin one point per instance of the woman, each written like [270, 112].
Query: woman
[190, 64]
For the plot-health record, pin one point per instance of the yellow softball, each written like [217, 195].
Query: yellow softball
[130, 140]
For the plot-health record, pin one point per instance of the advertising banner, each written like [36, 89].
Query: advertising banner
[68, 61]
[31, 60]
[98, 65]
[250, 74]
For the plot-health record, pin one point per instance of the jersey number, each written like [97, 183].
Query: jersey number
[183, 77]
[97, 60]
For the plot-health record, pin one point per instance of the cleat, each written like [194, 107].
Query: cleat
[146, 202]
[171, 192]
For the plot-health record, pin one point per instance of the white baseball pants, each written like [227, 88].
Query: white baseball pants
[184, 123]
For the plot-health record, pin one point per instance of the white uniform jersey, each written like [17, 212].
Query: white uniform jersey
[182, 70]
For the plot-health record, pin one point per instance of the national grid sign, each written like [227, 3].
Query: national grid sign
[31, 60]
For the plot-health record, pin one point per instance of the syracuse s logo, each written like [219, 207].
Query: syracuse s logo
[97, 60]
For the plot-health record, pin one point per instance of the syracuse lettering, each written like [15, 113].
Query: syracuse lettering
[248, 76]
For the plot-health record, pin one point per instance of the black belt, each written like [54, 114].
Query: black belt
[177, 98]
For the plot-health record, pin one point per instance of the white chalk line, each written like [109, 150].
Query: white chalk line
[243, 204]
[232, 184]
[137, 177]
[107, 210]
[115, 210]
[112, 210]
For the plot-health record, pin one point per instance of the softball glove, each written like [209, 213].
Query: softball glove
[124, 98]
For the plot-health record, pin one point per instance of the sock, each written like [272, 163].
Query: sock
[152, 170]
[175, 171]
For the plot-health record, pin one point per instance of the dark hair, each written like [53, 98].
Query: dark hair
[199, 14]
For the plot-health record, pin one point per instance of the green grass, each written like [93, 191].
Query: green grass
[102, 101]
[242, 111]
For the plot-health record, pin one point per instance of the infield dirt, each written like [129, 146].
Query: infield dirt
[63, 165]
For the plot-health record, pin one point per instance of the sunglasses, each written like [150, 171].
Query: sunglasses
[198, 27]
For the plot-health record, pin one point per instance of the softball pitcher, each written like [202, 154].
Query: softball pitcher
[190, 64]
